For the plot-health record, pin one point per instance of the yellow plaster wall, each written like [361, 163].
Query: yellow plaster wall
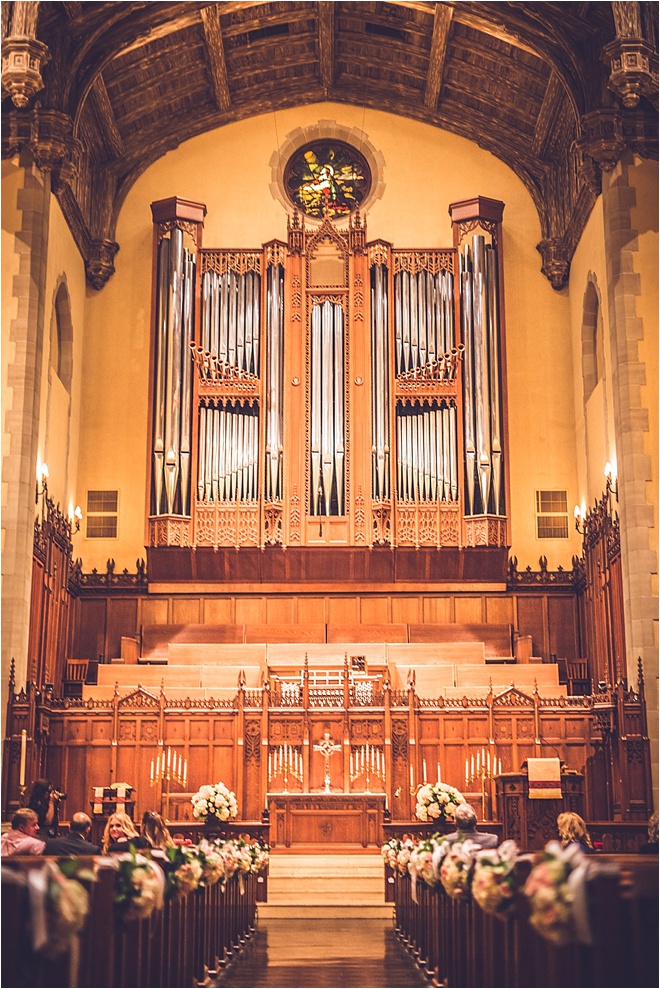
[229, 170]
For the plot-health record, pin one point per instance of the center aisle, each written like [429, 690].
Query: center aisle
[336, 953]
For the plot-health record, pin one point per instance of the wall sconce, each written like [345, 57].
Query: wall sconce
[76, 519]
[578, 515]
[41, 489]
[611, 481]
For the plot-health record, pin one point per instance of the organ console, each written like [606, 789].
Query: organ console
[397, 435]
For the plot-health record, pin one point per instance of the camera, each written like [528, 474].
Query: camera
[59, 795]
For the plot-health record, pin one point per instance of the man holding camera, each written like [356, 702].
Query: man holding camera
[45, 801]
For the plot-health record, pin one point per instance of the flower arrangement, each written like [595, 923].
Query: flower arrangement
[390, 853]
[184, 870]
[456, 868]
[212, 862]
[423, 861]
[493, 880]
[437, 801]
[139, 887]
[214, 801]
[549, 890]
[67, 905]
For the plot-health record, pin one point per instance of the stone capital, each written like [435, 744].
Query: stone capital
[602, 137]
[633, 67]
[99, 261]
[23, 58]
[556, 261]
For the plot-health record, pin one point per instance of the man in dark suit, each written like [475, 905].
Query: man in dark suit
[466, 827]
[75, 842]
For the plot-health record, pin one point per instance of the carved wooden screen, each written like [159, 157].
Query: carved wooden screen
[327, 391]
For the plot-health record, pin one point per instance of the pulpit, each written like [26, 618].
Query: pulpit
[530, 822]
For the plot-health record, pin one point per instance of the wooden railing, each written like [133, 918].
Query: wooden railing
[183, 944]
[456, 943]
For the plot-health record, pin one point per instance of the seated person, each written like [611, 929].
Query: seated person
[120, 833]
[22, 839]
[573, 830]
[155, 830]
[650, 847]
[76, 841]
[466, 827]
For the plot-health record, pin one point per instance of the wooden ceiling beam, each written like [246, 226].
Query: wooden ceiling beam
[216, 55]
[102, 108]
[441, 27]
[546, 122]
[326, 30]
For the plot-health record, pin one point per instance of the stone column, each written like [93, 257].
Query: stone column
[633, 389]
[23, 307]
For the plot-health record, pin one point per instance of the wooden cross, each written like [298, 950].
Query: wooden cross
[327, 748]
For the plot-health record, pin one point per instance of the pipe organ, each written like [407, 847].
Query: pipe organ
[327, 390]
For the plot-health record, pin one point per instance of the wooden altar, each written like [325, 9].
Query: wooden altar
[326, 819]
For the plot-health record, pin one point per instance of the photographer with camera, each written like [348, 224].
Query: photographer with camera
[45, 801]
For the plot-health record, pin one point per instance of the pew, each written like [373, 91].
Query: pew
[456, 943]
[186, 943]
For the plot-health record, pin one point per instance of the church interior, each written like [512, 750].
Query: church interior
[330, 458]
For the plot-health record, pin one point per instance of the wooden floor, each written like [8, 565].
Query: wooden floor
[325, 954]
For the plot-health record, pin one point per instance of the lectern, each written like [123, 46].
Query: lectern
[531, 823]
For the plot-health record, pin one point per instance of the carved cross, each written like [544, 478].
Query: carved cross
[327, 748]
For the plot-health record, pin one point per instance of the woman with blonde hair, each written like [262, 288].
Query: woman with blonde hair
[573, 830]
[155, 830]
[119, 833]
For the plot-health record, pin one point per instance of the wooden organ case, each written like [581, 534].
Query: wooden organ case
[327, 391]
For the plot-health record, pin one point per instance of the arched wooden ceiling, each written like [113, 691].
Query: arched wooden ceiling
[527, 81]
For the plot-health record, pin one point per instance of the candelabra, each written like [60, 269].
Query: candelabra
[483, 770]
[169, 767]
[285, 762]
[367, 761]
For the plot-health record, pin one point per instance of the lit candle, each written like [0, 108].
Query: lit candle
[424, 770]
[471, 767]
[163, 763]
[351, 763]
[412, 778]
[180, 767]
[439, 776]
[500, 767]
[489, 762]
[151, 773]
[477, 763]
[483, 758]
[270, 766]
[185, 771]
[467, 770]
[169, 757]
[21, 775]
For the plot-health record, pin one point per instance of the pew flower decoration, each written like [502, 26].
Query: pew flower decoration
[390, 853]
[406, 846]
[437, 802]
[66, 904]
[184, 870]
[422, 864]
[456, 868]
[230, 857]
[212, 862]
[551, 889]
[139, 887]
[260, 856]
[493, 879]
[214, 802]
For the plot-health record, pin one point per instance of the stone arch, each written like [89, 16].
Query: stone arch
[61, 334]
[592, 339]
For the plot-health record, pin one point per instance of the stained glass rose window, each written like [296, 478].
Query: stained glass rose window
[327, 178]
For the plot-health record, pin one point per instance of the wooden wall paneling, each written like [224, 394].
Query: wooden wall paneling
[437, 610]
[531, 613]
[562, 626]
[375, 610]
[469, 610]
[225, 744]
[406, 609]
[154, 611]
[218, 611]
[186, 611]
[251, 611]
[280, 610]
[499, 610]
[122, 620]
[90, 640]
[343, 610]
[310, 610]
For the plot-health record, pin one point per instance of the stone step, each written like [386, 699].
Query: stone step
[285, 911]
[326, 881]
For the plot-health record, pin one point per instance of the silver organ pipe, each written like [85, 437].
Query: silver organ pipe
[274, 379]
[230, 318]
[483, 413]
[228, 453]
[173, 376]
[327, 426]
[427, 452]
[380, 396]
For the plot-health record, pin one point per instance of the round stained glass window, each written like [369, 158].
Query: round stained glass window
[327, 178]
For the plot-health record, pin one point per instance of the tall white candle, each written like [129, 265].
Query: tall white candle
[21, 775]
[439, 776]
[151, 772]
[478, 763]
[185, 771]
[488, 761]
[467, 770]
[425, 777]
[412, 777]
[471, 767]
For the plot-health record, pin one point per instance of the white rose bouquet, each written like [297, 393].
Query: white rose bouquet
[437, 802]
[493, 880]
[139, 887]
[456, 869]
[214, 801]
[551, 892]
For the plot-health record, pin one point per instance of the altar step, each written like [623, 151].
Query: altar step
[325, 886]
